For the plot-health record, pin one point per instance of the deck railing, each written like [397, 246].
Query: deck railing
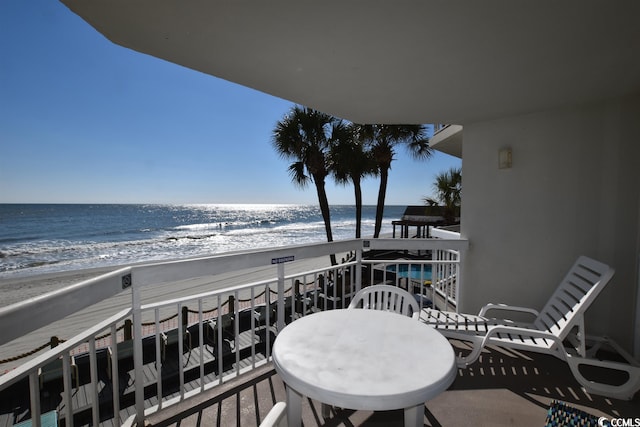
[187, 344]
[437, 127]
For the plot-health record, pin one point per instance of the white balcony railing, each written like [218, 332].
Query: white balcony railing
[189, 343]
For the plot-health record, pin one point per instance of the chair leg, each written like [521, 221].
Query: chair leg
[624, 391]
[477, 345]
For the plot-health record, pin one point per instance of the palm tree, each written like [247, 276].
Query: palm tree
[382, 139]
[304, 136]
[448, 188]
[350, 162]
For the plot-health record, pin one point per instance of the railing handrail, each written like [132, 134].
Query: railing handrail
[409, 261]
[416, 244]
[441, 233]
[172, 271]
[16, 374]
[320, 270]
[242, 287]
[17, 319]
[141, 276]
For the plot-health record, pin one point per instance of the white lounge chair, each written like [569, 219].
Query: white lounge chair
[387, 298]
[560, 322]
[277, 416]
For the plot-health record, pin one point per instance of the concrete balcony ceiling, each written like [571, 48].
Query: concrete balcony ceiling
[393, 62]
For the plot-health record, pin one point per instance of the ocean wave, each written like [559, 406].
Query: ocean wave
[191, 237]
[157, 233]
[235, 224]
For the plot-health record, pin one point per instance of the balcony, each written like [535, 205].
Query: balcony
[203, 351]
[447, 138]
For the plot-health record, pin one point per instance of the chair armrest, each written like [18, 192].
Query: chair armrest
[505, 307]
[527, 333]
[276, 417]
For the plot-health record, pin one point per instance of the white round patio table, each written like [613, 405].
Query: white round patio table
[364, 360]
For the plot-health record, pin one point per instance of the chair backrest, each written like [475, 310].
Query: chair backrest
[576, 292]
[387, 298]
[277, 416]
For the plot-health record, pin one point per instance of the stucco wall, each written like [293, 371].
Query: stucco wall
[573, 189]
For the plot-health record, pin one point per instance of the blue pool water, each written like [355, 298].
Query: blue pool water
[416, 272]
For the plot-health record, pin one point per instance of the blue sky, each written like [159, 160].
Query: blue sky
[83, 120]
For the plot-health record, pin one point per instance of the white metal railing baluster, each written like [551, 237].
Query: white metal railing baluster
[218, 349]
[201, 343]
[252, 307]
[358, 268]
[159, 356]
[137, 353]
[267, 292]
[93, 387]
[115, 377]
[34, 391]
[181, 327]
[66, 381]
[280, 296]
[236, 331]
[459, 279]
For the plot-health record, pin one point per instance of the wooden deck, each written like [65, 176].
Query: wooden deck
[504, 388]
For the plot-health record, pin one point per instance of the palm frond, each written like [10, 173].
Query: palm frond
[297, 174]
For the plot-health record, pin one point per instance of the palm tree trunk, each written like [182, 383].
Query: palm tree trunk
[382, 192]
[324, 210]
[358, 195]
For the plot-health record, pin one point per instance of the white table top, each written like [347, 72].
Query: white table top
[364, 359]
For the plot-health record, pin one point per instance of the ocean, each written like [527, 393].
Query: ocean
[47, 238]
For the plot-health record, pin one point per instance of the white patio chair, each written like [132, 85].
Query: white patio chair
[560, 321]
[277, 416]
[386, 298]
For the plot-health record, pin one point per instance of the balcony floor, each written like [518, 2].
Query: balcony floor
[504, 388]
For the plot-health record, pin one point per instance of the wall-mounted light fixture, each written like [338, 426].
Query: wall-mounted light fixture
[504, 158]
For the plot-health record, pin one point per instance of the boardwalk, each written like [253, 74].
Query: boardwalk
[14, 408]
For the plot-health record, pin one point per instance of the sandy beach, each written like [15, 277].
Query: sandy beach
[20, 289]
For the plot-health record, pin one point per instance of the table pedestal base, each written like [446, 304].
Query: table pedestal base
[294, 408]
[414, 416]
[326, 411]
